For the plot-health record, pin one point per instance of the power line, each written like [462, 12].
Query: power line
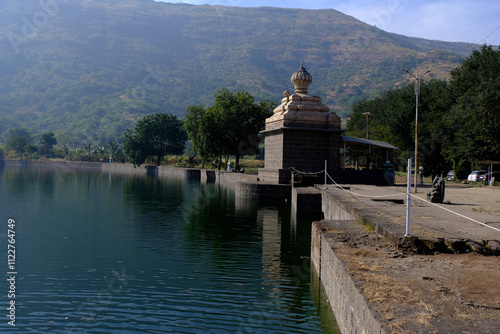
[488, 35]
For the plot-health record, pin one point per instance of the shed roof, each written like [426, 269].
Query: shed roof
[486, 162]
[367, 142]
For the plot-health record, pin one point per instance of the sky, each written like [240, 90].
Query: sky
[470, 21]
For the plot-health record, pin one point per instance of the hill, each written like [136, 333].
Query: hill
[88, 69]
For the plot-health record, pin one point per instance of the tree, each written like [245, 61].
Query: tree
[113, 149]
[205, 133]
[242, 119]
[474, 119]
[88, 148]
[47, 142]
[100, 152]
[79, 154]
[18, 140]
[392, 120]
[67, 152]
[230, 127]
[458, 121]
[155, 135]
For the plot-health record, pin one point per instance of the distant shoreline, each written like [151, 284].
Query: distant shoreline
[126, 168]
[93, 166]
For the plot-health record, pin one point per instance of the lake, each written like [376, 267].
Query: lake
[117, 253]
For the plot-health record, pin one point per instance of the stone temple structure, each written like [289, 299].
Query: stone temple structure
[301, 135]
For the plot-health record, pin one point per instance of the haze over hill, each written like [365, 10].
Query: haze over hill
[88, 69]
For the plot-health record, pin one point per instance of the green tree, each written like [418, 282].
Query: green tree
[67, 152]
[114, 150]
[230, 127]
[18, 140]
[88, 148]
[205, 133]
[31, 149]
[475, 116]
[79, 154]
[100, 152]
[155, 135]
[47, 142]
[392, 120]
[242, 119]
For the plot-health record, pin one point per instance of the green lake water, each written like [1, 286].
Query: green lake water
[115, 253]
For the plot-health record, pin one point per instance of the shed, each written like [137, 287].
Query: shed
[353, 142]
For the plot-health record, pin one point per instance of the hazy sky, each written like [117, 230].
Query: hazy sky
[472, 21]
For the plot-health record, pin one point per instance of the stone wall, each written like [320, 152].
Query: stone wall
[334, 209]
[306, 201]
[190, 173]
[273, 154]
[280, 176]
[51, 164]
[122, 168]
[351, 310]
[308, 150]
[302, 149]
[264, 191]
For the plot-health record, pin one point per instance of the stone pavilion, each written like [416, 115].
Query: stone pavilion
[301, 135]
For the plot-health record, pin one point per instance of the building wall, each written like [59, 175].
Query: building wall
[308, 150]
[273, 154]
[302, 149]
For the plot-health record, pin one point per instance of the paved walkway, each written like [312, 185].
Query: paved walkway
[468, 213]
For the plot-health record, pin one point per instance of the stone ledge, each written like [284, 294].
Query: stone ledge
[263, 191]
[352, 311]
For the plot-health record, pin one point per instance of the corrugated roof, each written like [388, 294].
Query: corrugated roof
[368, 142]
[486, 162]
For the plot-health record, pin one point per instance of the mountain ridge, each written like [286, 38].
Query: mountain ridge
[95, 67]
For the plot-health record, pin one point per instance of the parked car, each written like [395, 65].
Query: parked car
[461, 175]
[483, 178]
[475, 174]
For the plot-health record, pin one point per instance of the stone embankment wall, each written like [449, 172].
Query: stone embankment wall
[348, 304]
[190, 173]
[51, 164]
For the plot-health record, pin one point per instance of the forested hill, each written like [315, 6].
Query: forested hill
[87, 69]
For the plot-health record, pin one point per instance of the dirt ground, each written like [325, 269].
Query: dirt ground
[442, 293]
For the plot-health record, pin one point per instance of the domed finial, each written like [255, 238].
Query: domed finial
[287, 95]
[301, 79]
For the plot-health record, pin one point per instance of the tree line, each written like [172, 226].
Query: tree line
[458, 120]
[228, 128]
[21, 144]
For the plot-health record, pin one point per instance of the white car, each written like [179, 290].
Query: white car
[474, 175]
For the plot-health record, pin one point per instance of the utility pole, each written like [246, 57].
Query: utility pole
[367, 114]
[417, 78]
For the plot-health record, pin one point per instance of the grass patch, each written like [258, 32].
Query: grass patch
[366, 223]
[480, 210]
[251, 166]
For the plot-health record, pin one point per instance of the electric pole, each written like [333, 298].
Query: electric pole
[417, 78]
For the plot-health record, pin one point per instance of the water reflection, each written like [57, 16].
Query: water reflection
[140, 254]
[152, 194]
